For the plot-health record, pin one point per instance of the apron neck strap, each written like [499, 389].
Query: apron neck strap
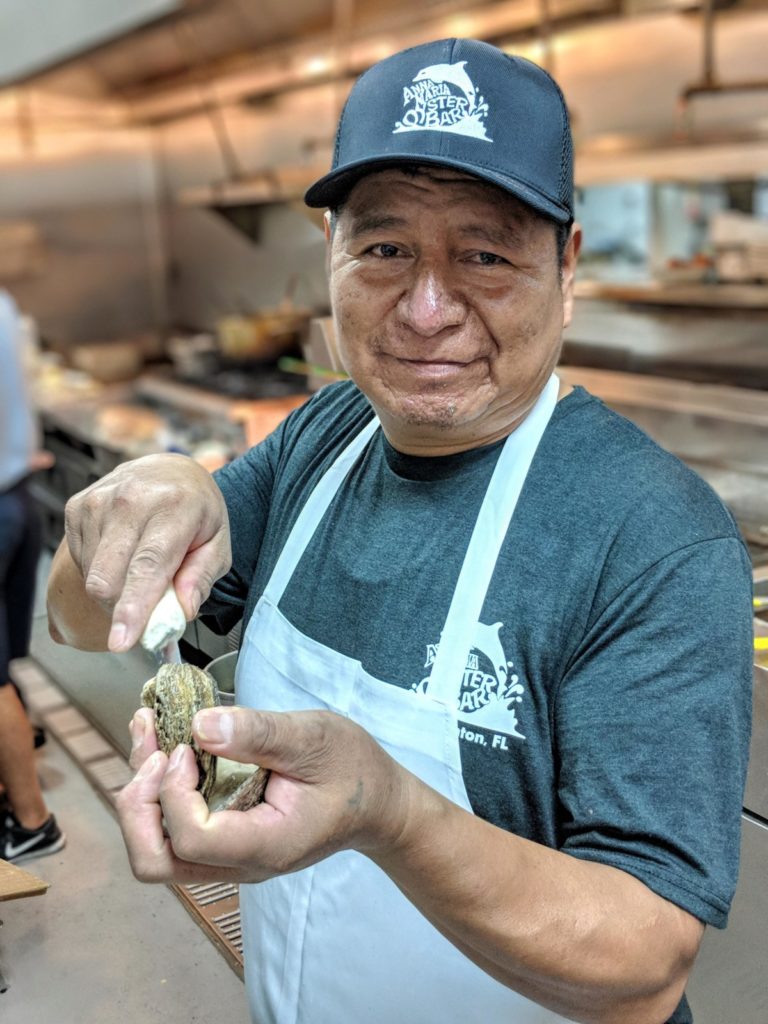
[313, 511]
[496, 511]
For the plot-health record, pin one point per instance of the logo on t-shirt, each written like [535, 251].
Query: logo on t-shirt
[443, 98]
[490, 694]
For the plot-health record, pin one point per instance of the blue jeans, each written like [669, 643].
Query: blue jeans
[19, 553]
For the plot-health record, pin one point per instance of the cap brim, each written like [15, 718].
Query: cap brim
[332, 189]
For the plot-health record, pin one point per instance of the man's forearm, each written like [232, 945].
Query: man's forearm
[586, 940]
[74, 617]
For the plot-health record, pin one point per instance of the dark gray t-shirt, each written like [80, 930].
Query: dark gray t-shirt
[616, 630]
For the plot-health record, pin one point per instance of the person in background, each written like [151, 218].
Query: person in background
[27, 827]
[500, 641]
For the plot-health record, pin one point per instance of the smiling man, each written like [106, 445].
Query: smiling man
[458, 314]
[496, 643]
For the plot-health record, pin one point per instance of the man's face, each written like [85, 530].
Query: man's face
[449, 305]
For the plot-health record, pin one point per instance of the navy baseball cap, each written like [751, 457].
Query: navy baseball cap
[458, 103]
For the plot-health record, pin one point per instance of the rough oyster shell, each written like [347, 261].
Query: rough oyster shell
[175, 694]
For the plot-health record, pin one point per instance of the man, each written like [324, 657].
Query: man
[501, 640]
[27, 827]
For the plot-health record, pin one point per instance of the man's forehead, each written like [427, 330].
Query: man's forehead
[379, 186]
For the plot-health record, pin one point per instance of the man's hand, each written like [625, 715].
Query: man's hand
[157, 520]
[332, 787]
[586, 940]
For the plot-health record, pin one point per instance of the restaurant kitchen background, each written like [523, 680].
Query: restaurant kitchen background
[153, 156]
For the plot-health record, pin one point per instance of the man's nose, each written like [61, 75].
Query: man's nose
[430, 304]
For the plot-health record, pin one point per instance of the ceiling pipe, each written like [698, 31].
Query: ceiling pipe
[186, 43]
[708, 30]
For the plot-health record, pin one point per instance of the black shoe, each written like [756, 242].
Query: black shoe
[39, 734]
[18, 843]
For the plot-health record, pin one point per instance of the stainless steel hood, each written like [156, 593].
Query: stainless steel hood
[36, 35]
[161, 70]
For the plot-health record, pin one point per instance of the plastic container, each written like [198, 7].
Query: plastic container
[223, 671]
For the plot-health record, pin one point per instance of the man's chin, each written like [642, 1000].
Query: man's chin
[427, 412]
[438, 419]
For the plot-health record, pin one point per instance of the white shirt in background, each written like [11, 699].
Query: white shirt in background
[18, 432]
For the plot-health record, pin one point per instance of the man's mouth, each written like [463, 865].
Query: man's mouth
[434, 362]
[433, 367]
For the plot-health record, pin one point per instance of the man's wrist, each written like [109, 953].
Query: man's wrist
[401, 825]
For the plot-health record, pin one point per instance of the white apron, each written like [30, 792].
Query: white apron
[338, 943]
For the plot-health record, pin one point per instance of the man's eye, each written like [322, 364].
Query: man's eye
[487, 259]
[385, 249]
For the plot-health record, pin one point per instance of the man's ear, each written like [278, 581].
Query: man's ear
[328, 232]
[568, 272]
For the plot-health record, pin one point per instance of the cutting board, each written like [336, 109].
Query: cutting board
[16, 883]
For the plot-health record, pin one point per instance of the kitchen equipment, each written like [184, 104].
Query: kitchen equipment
[259, 419]
[263, 336]
[21, 250]
[290, 365]
[109, 361]
[193, 356]
[223, 671]
[741, 246]
[318, 347]
[130, 427]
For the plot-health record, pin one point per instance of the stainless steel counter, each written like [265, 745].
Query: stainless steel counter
[90, 435]
[729, 979]
[692, 295]
[719, 345]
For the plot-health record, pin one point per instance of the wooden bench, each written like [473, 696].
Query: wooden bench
[15, 884]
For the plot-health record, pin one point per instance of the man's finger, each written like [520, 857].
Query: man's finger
[286, 741]
[150, 572]
[73, 531]
[141, 822]
[186, 812]
[248, 842]
[201, 567]
[105, 557]
[150, 852]
[143, 737]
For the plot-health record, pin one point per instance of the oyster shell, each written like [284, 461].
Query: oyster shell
[175, 694]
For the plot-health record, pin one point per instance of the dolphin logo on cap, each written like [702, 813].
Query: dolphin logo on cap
[443, 98]
[453, 73]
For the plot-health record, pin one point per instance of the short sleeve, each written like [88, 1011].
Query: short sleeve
[652, 722]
